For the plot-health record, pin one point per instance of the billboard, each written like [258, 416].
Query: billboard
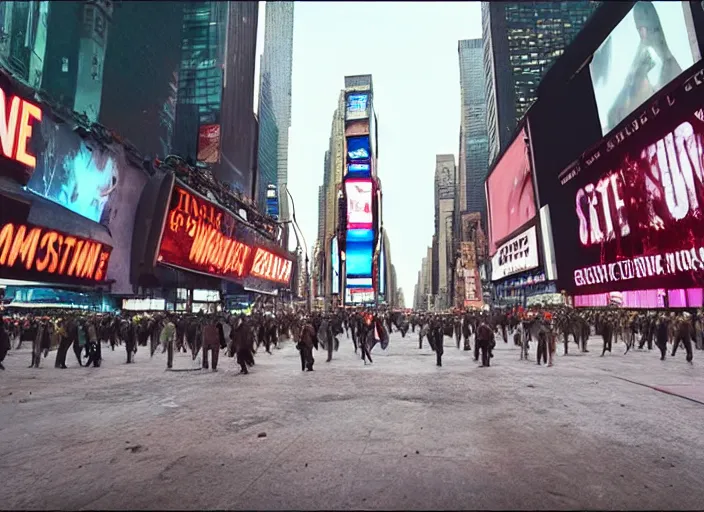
[200, 236]
[515, 256]
[335, 266]
[359, 169]
[359, 259]
[209, 143]
[359, 204]
[34, 253]
[648, 49]
[272, 201]
[359, 295]
[634, 203]
[357, 106]
[358, 149]
[510, 194]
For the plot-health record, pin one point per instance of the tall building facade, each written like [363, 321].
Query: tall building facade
[474, 142]
[521, 41]
[275, 102]
[445, 186]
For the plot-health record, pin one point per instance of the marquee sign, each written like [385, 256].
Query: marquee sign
[517, 255]
[200, 236]
[29, 252]
[18, 117]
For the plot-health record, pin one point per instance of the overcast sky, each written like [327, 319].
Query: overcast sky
[410, 49]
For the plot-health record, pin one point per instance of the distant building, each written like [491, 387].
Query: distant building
[445, 186]
[521, 41]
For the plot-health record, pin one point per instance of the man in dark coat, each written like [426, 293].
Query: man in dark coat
[211, 342]
[484, 341]
[307, 341]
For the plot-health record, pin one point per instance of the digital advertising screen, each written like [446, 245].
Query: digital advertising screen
[202, 237]
[517, 255]
[209, 143]
[632, 211]
[357, 106]
[382, 270]
[272, 202]
[649, 48]
[358, 149]
[359, 259]
[510, 194]
[359, 296]
[335, 265]
[362, 170]
[359, 204]
[359, 282]
[360, 235]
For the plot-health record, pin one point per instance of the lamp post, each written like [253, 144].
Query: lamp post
[305, 249]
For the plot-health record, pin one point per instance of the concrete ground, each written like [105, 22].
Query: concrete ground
[588, 433]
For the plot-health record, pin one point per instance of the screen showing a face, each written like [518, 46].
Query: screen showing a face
[359, 204]
[359, 259]
[651, 46]
[358, 148]
[510, 192]
[631, 218]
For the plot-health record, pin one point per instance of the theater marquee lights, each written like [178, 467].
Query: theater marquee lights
[33, 252]
[202, 237]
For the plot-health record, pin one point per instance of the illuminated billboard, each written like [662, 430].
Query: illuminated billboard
[359, 296]
[357, 106]
[358, 149]
[359, 259]
[335, 266]
[510, 194]
[359, 204]
[209, 143]
[648, 49]
[272, 201]
[634, 203]
[20, 118]
[202, 237]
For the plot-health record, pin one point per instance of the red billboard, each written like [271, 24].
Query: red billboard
[209, 143]
[200, 236]
[510, 194]
[634, 204]
[359, 204]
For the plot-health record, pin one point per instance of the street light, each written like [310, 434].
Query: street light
[305, 248]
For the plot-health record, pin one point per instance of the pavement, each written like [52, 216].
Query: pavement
[588, 433]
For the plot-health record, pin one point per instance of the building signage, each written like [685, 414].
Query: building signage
[636, 201]
[517, 255]
[357, 106]
[17, 119]
[29, 252]
[202, 237]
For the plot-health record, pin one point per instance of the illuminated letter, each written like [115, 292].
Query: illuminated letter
[28, 110]
[620, 207]
[8, 124]
[77, 256]
[68, 244]
[583, 223]
[25, 247]
[6, 237]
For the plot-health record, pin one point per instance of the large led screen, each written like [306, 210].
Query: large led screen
[510, 194]
[357, 106]
[649, 48]
[359, 204]
[335, 264]
[202, 237]
[632, 208]
[358, 149]
[359, 259]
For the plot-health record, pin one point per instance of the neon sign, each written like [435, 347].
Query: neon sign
[16, 118]
[28, 249]
[201, 237]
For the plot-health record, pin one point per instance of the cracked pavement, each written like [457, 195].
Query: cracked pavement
[588, 433]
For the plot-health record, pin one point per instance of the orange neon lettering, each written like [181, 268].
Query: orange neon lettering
[69, 242]
[74, 261]
[8, 124]
[6, 237]
[24, 246]
[29, 111]
[43, 263]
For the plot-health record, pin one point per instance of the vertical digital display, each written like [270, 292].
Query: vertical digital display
[335, 266]
[359, 204]
[358, 148]
[357, 106]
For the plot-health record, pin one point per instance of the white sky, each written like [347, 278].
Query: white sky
[410, 49]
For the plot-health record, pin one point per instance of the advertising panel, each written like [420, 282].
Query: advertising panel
[335, 266]
[357, 106]
[510, 194]
[357, 128]
[358, 149]
[359, 259]
[359, 296]
[359, 204]
[634, 202]
[648, 49]
[359, 169]
[272, 201]
[34, 253]
[202, 237]
[517, 255]
[20, 119]
[209, 143]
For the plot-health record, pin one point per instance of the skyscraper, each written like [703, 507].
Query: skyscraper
[474, 145]
[445, 181]
[275, 102]
[521, 41]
